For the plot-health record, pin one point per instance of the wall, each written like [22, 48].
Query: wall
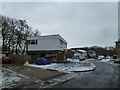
[46, 43]
[64, 46]
[70, 54]
[118, 49]
[118, 43]
[60, 56]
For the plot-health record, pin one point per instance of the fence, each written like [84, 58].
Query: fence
[20, 59]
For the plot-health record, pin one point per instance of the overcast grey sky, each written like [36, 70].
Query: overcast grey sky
[80, 23]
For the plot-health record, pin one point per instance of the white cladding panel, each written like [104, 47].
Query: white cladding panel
[63, 46]
[118, 21]
[119, 34]
[46, 43]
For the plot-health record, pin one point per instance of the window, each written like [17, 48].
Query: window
[61, 42]
[33, 42]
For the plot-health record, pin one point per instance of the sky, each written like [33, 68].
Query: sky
[79, 23]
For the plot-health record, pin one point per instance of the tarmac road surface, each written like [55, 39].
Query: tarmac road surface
[104, 76]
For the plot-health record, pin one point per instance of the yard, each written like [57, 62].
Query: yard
[21, 76]
[73, 65]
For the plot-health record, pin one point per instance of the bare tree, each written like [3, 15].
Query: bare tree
[15, 33]
[36, 33]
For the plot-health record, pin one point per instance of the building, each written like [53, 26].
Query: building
[49, 46]
[91, 54]
[118, 42]
[80, 54]
[118, 49]
[70, 53]
[83, 54]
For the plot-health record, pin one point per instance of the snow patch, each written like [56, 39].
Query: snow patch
[9, 78]
[72, 66]
[105, 60]
[73, 60]
[26, 63]
[8, 81]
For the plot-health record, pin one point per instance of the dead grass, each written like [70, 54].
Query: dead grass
[32, 72]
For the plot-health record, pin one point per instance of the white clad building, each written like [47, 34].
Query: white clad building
[44, 46]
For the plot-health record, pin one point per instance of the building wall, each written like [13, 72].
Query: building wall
[59, 45]
[44, 44]
[47, 43]
[118, 43]
[59, 55]
[70, 54]
[118, 49]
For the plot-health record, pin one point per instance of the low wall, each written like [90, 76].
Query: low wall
[20, 59]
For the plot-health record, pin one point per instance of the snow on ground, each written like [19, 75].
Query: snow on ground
[105, 60]
[77, 60]
[73, 65]
[9, 78]
[108, 61]
[73, 60]
[90, 59]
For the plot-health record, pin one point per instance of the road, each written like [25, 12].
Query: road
[104, 76]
